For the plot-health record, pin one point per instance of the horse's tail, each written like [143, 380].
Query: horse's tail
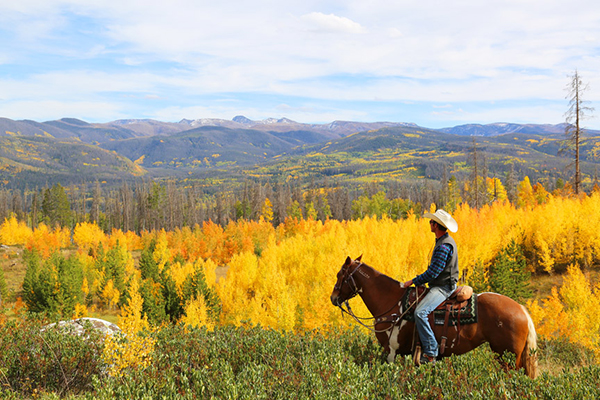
[529, 357]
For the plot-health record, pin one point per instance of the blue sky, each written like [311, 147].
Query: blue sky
[434, 63]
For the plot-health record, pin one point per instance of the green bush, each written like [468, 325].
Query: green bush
[35, 361]
[256, 363]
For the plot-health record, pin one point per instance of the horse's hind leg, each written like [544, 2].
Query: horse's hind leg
[505, 326]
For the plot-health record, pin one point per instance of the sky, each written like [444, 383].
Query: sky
[434, 63]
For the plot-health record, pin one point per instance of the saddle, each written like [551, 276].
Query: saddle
[460, 307]
[457, 300]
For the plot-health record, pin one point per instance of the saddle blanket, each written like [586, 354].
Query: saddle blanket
[463, 316]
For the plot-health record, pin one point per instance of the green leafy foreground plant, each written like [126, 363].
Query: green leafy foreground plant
[255, 363]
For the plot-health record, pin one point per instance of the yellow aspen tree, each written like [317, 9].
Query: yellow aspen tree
[110, 295]
[13, 232]
[525, 197]
[162, 254]
[238, 292]
[179, 273]
[571, 312]
[196, 314]
[85, 287]
[495, 190]
[544, 253]
[86, 235]
[267, 211]
[80, 311]
[583, 308]
[130, 240]
[550, 318]
[540, 194]
[134, 348]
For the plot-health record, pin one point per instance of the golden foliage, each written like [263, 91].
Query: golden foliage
[267, 211]
[87, 235]
[282, 277]
[80, 311]
[134, 348]
[110, 295]
[47, 241]
[571, 312]
[196, 314]
[128, 239]
[13, 232]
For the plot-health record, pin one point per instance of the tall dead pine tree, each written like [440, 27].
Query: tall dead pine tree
[574, 116]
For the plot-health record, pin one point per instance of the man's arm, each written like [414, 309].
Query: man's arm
[438, 263]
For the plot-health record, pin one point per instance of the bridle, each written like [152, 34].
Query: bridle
[355, 290]
[349, 279]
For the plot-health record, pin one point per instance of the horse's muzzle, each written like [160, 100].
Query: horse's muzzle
[334, 299]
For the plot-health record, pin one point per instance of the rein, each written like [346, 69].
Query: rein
[376, 319]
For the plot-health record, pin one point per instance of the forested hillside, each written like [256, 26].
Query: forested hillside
[208, 152]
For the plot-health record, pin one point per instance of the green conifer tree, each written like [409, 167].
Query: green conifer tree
[54, 285]
[56, 208]
[509, 274]
[195, 285]
[151, 287]
[70, 282]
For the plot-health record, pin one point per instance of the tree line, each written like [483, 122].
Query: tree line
[153, 205]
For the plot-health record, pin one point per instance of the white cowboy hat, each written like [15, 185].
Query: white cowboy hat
[443, 218]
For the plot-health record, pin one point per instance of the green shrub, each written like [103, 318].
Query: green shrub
[36, 361]
[256, 363]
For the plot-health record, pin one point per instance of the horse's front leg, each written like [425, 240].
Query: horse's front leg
[392, 340]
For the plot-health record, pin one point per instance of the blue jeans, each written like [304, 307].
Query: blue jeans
[434, 298]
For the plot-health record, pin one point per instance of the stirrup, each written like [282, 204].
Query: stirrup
[425, 359]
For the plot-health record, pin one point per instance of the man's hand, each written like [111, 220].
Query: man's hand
[405, 284]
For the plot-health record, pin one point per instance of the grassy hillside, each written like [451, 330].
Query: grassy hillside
[307, 155]
[36, 160]
[206, 147]
[402, 153]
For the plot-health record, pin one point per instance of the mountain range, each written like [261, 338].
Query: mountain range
[70, 149]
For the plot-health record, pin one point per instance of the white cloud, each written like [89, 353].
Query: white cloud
[331, 23]
[434, 52]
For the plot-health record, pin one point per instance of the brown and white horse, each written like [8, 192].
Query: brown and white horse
[502, 322]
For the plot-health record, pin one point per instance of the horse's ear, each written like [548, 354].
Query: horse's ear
[348, 261]
[359, 257]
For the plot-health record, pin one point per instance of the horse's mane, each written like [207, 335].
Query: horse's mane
[382, 275]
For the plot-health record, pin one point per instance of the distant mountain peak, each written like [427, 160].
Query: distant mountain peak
[74, 121]
[129, 121]
[240, 119]
[285, 121]
[500, 128]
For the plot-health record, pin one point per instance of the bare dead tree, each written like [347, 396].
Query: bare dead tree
[577, 111]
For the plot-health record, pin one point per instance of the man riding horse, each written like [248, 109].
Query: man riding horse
[441, 275]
